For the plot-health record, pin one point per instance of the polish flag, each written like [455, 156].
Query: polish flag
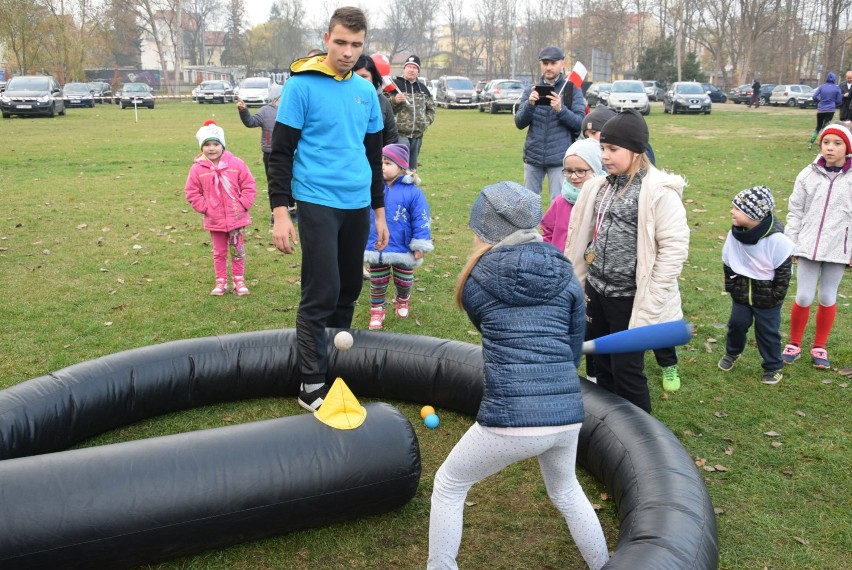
[578, 74]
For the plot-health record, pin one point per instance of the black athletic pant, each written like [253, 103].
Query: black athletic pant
[333, 243]
[622, 374]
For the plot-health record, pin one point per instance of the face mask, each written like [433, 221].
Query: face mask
[570, 192]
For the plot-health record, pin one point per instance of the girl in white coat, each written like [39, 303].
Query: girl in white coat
[628, 240]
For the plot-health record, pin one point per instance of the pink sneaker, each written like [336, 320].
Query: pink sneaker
[820, 358]
[791, 354]
[402, 307]
[377, 317]
[240, 286]
[221, 287]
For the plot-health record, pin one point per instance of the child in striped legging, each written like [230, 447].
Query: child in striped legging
[409, 225]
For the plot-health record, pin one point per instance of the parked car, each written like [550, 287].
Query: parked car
[787, 94]
[254, 91]
[215, 92]
[455, 90]
[628, 94]
[138, 94]
[598, 93]
[78, 95]
[806, 99]
[101, 91]
[716, 94]
[654, 90]
[501, 94]
[765, 92]
[741, 94]
[32, 95]
[687, 97]
[480, 85]
[433, 87]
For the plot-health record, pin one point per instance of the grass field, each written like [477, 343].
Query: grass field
[101, 253]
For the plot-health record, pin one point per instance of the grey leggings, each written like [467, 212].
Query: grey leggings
[481, 453]
[829, 275]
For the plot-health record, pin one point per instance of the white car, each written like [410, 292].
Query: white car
[254, 91]
[628, 94]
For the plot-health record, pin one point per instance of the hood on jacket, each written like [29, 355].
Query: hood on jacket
[674, 182]
[523, 275]
[831, 77]
[316, 64]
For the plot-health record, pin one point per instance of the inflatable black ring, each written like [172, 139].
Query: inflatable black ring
[667, 519]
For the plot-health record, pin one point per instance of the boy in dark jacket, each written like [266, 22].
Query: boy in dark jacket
[758, 266]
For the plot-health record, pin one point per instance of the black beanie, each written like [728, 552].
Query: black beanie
[628, 130]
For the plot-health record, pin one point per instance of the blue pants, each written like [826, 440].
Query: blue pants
[333, 243]
[767, 332]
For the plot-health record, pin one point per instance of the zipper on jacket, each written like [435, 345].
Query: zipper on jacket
[822, 219]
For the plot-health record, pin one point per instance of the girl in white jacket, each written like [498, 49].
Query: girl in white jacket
[819, 219]
[628, 240]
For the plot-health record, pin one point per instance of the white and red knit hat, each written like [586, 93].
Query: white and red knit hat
[210, 131]
[841, 131]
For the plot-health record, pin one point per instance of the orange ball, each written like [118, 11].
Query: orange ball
[425, 411]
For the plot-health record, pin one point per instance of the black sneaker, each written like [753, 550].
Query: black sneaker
[312, 401]
[727, 361]
[772, 377]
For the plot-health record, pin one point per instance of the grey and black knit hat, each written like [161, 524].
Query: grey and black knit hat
[755, 202]
[628, 130]
[502, 209]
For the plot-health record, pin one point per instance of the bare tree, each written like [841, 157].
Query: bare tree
[234, 40]
[286, 17]
[453, 10]
[757, 18]
[397, 27]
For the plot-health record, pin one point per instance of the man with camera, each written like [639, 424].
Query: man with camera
[553, 112]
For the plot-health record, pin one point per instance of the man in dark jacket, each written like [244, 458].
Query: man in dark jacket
[554, 121]
[413, 109]
[845, 90]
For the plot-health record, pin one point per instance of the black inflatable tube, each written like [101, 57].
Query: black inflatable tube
[667, 519]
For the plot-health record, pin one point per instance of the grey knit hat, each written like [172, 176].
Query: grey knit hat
[502, 209]
[596, 119]
[755, 202]
[628, 130]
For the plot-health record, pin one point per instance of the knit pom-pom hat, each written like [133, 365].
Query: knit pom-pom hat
[210, 131]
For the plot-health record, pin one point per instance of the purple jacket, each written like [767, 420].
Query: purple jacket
[828, 95]
[224, 192]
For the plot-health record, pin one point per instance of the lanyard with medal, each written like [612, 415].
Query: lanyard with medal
[604, 208]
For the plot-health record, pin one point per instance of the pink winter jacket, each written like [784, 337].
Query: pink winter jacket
[223, 192]
[554, 224]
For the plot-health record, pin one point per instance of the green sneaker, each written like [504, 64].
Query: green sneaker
[671, 378]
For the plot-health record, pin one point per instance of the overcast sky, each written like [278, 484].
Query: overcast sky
[258, 10]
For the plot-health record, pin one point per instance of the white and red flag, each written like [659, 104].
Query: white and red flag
[577, 75]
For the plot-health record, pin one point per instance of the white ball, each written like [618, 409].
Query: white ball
[343, 340]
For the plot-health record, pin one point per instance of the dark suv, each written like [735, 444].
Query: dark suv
[101, 91]
[32, 95]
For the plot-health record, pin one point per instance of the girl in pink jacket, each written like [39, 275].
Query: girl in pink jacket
[221, 187]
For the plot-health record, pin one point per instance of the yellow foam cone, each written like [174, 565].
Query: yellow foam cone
[340, 408]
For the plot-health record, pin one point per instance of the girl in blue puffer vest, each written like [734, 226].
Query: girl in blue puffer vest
[522, 295]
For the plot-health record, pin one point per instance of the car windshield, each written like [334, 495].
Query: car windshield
[628, 87]
[135, 88]
[648, 83]
[510, 85]
[212, 86]
[255, 84]
[807, 90]
[689, 88]
[28, 84]
[459, 84]
[76, 88]
[95, 85]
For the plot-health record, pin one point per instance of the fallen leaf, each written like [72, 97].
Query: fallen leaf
[227, 419]
[771, 433]
[718, 511]
[720, 467]
[800, 540]
[108, 324]
[729, 451]
[776, 444]
[469, 504]
[827, 381]
[720, 415]
[604, 496]
[709, 468]
[800, 413]
[82, 226]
